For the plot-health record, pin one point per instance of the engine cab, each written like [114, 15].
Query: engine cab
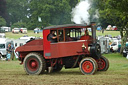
[73, 39]
[69, 46]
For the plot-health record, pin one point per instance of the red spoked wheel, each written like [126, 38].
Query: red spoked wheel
[34, 63]
[88, 66]
[103, 64]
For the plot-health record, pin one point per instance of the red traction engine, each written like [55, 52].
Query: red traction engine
[74, 47]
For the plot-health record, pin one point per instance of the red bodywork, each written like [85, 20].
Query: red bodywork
[70, 46]
[59, 49]
[64, 49]
[33, 46]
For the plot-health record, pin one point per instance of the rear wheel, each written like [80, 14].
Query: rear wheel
[88, 66]
[103, 64]
[34, 63]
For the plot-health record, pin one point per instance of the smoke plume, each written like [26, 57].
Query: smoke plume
[80, 13]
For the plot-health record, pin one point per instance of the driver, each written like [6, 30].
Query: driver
[52, 37]
[86, 32]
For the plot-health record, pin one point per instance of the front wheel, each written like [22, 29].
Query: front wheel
[103, 64]
[34, 63]
[88, 66]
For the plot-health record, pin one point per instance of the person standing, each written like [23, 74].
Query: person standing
[12, 51]
[102, 30]
[9, 50]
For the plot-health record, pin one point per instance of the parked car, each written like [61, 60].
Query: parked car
[36, 30]
[115, 45]
[15, 30]
[2, 35]
[23, 30]
[2, 30]
[99, 28]
[6, 29]
[114, 28]
[109, 27]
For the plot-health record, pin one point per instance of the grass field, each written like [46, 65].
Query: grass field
[11, 73]
[31, 33]
[113, 33]
[16, 36]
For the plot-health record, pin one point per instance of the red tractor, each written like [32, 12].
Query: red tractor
[74, 47]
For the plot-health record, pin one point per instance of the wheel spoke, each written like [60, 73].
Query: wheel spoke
[103, 64]
[88, 66]
[34, 63]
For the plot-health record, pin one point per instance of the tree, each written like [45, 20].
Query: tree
[19, 25]
[121, 6]
[2, 21]
[3, 10]
[113, 12]
[52, 12]
[17, 10]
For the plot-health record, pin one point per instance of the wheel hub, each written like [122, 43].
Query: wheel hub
[88, 66]
[33, 64]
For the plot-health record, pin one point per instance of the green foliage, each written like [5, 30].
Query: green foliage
[17, 10]
[52, 12]
[2, 21]
[19, 25]
[112, 12]
[3, 13]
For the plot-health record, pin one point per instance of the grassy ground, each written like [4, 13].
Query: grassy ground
[16, 36]
[31, 33]
[113, 33]
[11, 73]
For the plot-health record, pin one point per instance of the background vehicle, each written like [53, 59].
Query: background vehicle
[23, 30]
[81, 50]
[2, 35]
[3, 46]
[115, 45]
[6, 29]
[99, 28]
[36, 30]
[15, 30]
[114, 28]
[109, 27]
[2, 30]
